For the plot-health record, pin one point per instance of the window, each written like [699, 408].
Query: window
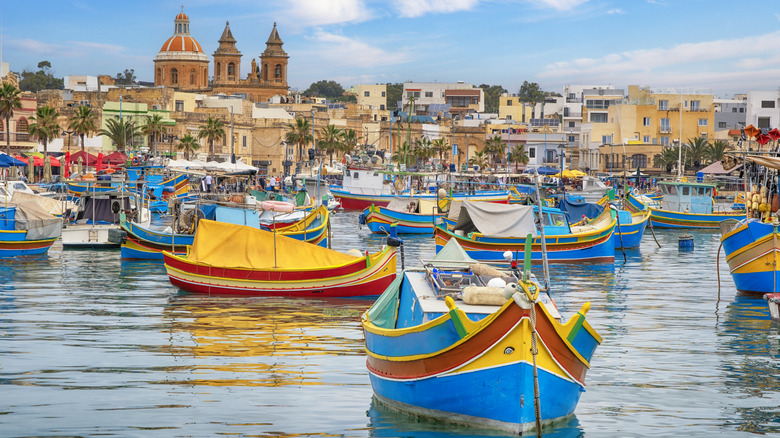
[217, 70]
[664, 140]
[663, 105]
[646, 139]
[670, 190]
[656, 159]
[180, 105]
[366, 94]
[702, 122]
[721, 125]
[21, 130]
[686, 191]
[192, 77]
[278, 72]
[733, 110]
[509, 102]
[243, 144]
[429, 94]
[557, 219]
[598, 117]
[531, 152]
[767, 104]
[571, 140]
[742, 110]
[572, 124]
[414, 94]
[763, 123]
[384, 94]
[381, 107]
[639, 160]
[231, 71]
[695, 105]
[666, 125]
[646, 121]
[606, 139]
[174, 76]
[597, 104]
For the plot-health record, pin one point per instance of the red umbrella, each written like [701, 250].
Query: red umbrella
[38, 161]
[762, 139]
[21, 158]
[99, 162]
[87, 159]
[774, 134]
[752, 131]
[55, 162]
[66, 168]
[115, 157]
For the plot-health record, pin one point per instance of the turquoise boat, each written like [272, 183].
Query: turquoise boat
[752, 251]
[407, 215]
[686, 205]
[26, 228]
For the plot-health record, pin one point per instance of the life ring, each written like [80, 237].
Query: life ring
[278, 206]
[399, 185]
[136, 161]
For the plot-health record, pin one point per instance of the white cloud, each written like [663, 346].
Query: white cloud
[417, 8]
[325, 12]
[338, 50]
[560, 5]
[616, 11]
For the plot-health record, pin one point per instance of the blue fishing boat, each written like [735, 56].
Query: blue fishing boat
[26, 228]
[486, 231]
[686, 205]
[630, 226]
[410, 216]
[752, 249]
[478, 347]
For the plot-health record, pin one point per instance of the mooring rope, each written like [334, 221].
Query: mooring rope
[534, 351]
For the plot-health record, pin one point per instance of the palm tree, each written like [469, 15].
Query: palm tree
[403, 154]
[440, 146]
[518, 155]
[479, 159]
[331, 140]
[493, 147]
[350, 139]
[300, 134]
[667, 159]
[696, 148]
[716, 150]
[213, 130]
[44, 126]
[83, 123]
[120, 132]
[9, 101]
[153, 128]
[188, 144]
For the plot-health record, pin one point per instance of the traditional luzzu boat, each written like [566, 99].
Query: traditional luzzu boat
[456, 346]
[630, 226]
[686, 205]
[752, 249]
[239, 260]
[365, 186]
[409, 216]
[486, 231]
[147, 243]
[26, 227]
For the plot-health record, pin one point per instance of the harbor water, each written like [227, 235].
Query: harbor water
[91, 345]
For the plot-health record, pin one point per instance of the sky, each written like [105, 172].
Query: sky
[719, 45]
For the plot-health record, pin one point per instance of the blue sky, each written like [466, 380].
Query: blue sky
[729, 47]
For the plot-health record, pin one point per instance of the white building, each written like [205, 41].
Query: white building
[462, 98]
[763, 109]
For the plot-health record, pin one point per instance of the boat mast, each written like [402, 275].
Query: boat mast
[679, 144]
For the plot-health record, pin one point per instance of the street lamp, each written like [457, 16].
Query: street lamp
[562, 155]
[68, 133]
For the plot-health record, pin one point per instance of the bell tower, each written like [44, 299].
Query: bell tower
[273, 71]
[227, 59]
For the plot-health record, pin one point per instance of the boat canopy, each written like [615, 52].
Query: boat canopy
[452, 255]
[499, 220]
[689, 197]
[413, 205]
[237, 246]
[34, 218]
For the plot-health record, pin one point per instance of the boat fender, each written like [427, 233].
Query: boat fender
[399, 185]
[277, 206]
[394, 242]
[355, 252]
[362, 219]
[116, 206]
[484, 295]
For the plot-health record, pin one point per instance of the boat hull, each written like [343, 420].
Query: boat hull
[355, 201]
[630, 235]
[379, 219]
[14, 243]
[673, 219]
[752, 253]
[88, 236]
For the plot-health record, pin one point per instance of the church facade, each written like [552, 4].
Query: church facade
[181, 64]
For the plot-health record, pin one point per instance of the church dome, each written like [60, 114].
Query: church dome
[181, 43]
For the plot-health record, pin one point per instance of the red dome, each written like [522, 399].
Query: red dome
[181, 43]
[182, 16]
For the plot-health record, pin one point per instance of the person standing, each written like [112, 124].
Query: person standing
[209, 182]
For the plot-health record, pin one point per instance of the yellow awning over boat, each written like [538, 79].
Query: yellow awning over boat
[238, 246]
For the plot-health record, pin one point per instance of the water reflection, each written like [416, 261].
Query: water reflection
[262, 341]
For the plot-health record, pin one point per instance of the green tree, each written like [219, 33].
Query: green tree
[479, 159]
[299, 134]
[696, 148]
[121, 132]
[667, 158]
[494, 147]
[9, 101]
[126, 78]
[43, 79]
[403, 154]
[349, 140]
[44, 126]
[531, 92]
[83, 123]
[394, 95]
[716, 150]
[212, 130]
[331, 140]
[518, 156]
[153, 128]
[329, 89]
[492, 96]
[188, 144]
[440, 146]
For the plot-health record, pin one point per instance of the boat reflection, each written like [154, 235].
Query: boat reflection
[262, 341]
[752, 372]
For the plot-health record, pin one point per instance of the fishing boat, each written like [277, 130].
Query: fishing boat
[476, 347]
[407, 215]
[147, 242]
[486, 231]
[686, 205]
[630, 226]
[365, 186]
[239, 260]
[98, 216]
[26, 227]
[752, 249]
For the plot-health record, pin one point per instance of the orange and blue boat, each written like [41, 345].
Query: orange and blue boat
[752, 250]
[485, 231]
[686, 205]
[26, 228]
[467, 356]
[234, 259]
[409, 216]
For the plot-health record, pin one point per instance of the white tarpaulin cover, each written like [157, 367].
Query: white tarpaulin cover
[496, 220]
[32, 217]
